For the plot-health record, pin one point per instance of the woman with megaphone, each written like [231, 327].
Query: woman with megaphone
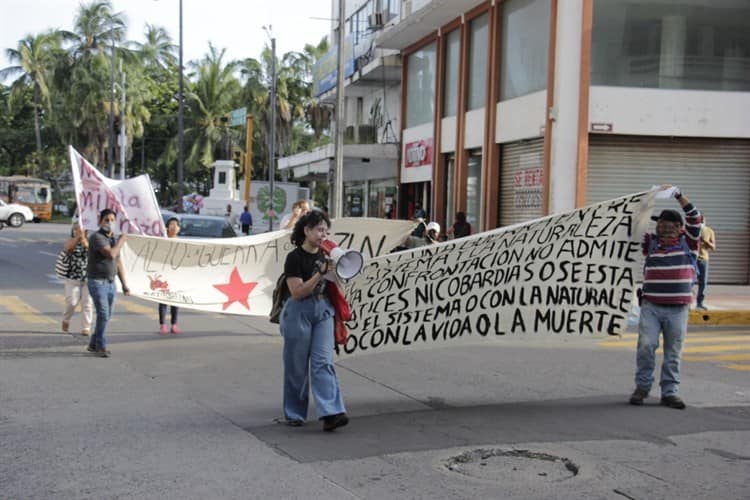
[307, 325]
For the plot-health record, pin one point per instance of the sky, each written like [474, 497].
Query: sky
[236, 25]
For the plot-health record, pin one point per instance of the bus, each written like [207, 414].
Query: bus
[34, 193]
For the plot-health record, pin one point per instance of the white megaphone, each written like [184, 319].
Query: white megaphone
[347, 263]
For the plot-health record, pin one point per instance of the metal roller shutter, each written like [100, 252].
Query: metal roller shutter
[714, 173]
[521, 181]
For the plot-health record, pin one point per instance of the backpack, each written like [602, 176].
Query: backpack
[280, 295]
[654, 243]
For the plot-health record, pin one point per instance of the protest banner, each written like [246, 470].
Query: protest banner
[133, 199]
[570, 274]
[236, 275]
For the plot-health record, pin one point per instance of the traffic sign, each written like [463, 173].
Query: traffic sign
[237, 117]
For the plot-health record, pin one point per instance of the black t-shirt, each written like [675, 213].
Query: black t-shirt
[302, 264]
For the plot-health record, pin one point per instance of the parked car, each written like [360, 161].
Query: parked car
[205, 226]
[14, 214]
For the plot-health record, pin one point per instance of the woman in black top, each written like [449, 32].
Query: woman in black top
[307, 326]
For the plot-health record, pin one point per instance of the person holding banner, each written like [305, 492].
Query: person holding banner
[104, 263]
[300, 208]
[173, 229]
[668, 277]
[307, 325]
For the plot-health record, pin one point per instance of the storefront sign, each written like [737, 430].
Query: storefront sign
[527, 188]
[418, 153]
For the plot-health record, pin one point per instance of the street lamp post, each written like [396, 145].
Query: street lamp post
[180, 121]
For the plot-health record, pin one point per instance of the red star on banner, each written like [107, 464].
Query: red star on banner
[236, 290]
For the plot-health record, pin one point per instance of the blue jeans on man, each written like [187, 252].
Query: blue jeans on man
[102, 293]
[671, 322]
[702, 282]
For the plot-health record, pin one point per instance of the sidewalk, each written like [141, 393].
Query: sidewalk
[727, 305]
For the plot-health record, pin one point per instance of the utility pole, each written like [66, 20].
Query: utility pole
[180, 123]
[123, 135]
[248, 157]
[338, 181]
[272, 165]
[111, 141]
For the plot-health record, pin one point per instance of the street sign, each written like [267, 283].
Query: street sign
[237, 117]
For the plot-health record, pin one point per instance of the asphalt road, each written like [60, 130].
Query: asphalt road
[191, 416]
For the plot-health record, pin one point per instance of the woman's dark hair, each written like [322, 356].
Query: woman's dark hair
[173, 219]
[461, 217]
[106, 212]
[310, 220]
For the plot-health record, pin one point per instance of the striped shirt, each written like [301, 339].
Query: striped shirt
[668, 273]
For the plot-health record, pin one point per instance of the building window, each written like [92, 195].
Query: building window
[420, 86]
[452, 59]
[671, 45]
[450, 187]
[524, 55]
[474, 190]
[354, 199]
[383, 196]
[478, 63]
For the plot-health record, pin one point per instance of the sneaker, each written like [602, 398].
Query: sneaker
[701, 307]
[91, 349]
[86, 332]
[175, 329]
[163, 329]
[65, 326]
[332, 422]
[103, 353]
[673, 402]
[638, 396]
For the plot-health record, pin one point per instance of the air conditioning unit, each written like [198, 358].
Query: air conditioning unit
[375, 20]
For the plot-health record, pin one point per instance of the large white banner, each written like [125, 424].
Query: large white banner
[236, 275]
[132, 199]
[571, 274]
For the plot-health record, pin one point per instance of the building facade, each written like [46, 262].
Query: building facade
[372, 110]
[520, 108]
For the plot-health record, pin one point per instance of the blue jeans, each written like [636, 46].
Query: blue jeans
[102, 293]
[671, 322]
[307, 327]
[702, 281]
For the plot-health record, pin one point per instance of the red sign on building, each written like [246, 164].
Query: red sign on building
[418, 153]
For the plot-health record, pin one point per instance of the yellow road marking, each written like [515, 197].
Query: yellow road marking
[719, 357]
[738, 367]
[56, 298]
[23, 310]
[151, 312]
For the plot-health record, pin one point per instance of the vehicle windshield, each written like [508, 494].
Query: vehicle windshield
[201, 228]
[32, 194]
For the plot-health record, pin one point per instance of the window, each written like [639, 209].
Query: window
[474, 190]
[477, 87]
[450, 187]
[420, 86]
[382, 199]
[525, 47]
[674, 44]
[452, 57]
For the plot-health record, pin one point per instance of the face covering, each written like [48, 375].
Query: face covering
[107, 228]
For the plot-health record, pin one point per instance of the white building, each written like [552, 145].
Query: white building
[519, 108]
[372, 109]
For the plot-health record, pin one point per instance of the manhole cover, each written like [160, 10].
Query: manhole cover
[514, 465]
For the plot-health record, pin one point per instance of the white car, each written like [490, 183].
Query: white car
[14, 214]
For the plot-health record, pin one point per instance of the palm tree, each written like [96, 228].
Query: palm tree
[213, 92]
[34, 62]
[158, 51]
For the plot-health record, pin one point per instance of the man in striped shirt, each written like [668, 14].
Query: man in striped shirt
[669, 273]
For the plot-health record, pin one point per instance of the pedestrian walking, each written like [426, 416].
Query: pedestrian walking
[103, 265]
[173, 229]
[76, 288]
[708, 244]
[668, 278]
[307, 325]
[246, 220]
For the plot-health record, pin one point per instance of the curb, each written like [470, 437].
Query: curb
[719, 318]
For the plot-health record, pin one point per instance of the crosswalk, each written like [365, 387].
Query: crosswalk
[729, 348]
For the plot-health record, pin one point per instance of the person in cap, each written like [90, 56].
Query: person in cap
[668, 277]
[433, 233]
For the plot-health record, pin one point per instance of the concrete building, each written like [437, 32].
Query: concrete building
[519, 108]
[372, 108]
